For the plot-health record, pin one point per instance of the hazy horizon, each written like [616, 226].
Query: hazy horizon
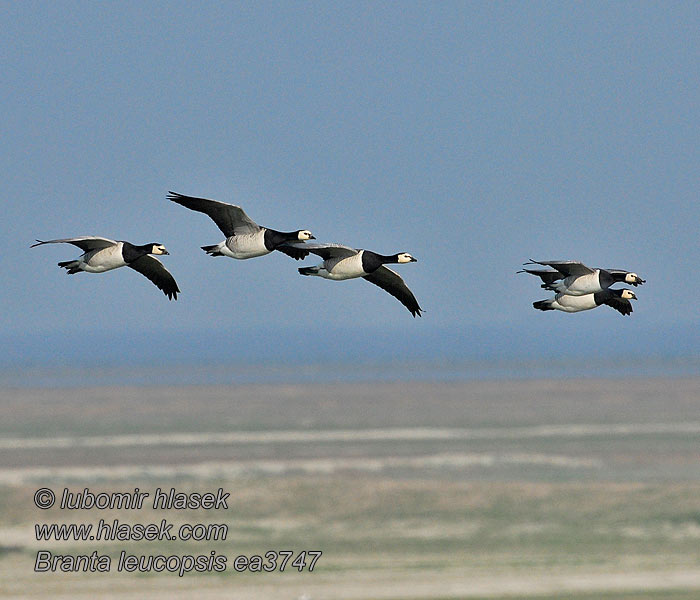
[295, 355]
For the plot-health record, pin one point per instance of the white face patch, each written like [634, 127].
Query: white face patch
[159, 249]
[631, 278]
[628, 295]
[305, 234]
[405, 257]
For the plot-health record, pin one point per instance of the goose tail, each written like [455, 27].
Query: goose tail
[543, 305]
[212, 250]
[71, 266]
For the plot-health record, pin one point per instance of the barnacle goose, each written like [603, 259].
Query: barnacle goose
[342, 262]
[244, 237]
[576, 279]
[617, 299]
[102, 254]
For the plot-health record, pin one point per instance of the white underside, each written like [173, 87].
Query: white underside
[244, 246]
[581, 285]
[99, 261]
[338, 269]
[569, 303]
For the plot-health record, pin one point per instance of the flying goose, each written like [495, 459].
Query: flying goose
[102, 254]
[244, 237]
[342, 262]
[576, 279]
[617, 299]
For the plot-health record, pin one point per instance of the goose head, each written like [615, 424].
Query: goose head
[404, 257]
[158, 249]
[634, 279]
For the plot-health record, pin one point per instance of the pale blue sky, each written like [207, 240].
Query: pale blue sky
[473, 135]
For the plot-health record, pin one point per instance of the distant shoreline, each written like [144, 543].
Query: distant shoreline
[329, 373]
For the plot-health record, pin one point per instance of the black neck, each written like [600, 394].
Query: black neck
[371, 261]
[273, 238]
[132, 253]
[606, 278]
[601, 297]
[618, 277]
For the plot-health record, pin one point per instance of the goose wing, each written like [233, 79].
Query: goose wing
[295, 250]
[565, 267]
[391, 282]
[229, 218]
[325, 251]
[156, 272]
[547, 276]
[621, 305]
[84, 242]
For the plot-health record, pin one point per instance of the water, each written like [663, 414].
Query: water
[380, 371]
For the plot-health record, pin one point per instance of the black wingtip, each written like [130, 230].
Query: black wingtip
[172, 293]
[38, 243]
[173, 196]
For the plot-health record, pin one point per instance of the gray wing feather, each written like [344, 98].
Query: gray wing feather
[229, 218]
[547, 276]
[391, 282]
[325, 251]
[618, 271]
[85, 242]
[565, 267]
[156, 272]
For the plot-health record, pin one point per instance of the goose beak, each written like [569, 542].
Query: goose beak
[165, 252]
[312, 237]
[413, 259]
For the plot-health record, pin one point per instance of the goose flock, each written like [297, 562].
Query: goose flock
[579, 287]
[576, 286]
[244, 239]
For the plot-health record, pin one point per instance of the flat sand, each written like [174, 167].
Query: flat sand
[578, 488]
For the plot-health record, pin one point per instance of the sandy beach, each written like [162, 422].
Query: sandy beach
[498, 489]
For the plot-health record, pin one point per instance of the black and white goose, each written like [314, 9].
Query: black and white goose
[342, 262]
[617, 299]
[102, 254]
[576, 279]
[244, 237]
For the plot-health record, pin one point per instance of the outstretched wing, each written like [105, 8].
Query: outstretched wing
[152, 268]
[621, 305]
[296, 250]
[231, 219]
[565, 267]
[547, 276]
[325, 251]
[84, 242]
[391, 282]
